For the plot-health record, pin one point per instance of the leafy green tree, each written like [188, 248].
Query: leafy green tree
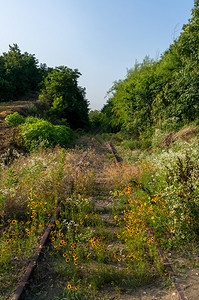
[95, 120]
[164, 91]
[64, 99]
[5, 85]
[19, 73]
[187, 78]
[132, 98]
[108, 119]
[179, 69]
[21, 70]
[156, 92]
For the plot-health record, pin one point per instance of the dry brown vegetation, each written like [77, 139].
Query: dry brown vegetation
[188, 133]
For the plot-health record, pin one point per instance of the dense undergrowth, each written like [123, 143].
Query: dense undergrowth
[152, 200]
[169, 185]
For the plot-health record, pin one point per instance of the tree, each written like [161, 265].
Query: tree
[19, 73]
[155, 92]
[132, 98]
[64, 99]
[187, 78]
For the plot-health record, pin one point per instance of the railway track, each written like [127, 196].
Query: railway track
[26, 277]
[34, 260]
[30, 269]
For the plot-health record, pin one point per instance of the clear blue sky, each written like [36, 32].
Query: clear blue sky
[101, 38]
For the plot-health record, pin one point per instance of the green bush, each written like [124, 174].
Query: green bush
[35, 132]
[14, 119]
[38, 131]
[31, 120]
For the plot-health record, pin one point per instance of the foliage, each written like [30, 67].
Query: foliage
[35, 132]
[14, 119]
[132, 98]
[64, 99]
[19, 74]
[156, 92]
[95, 119]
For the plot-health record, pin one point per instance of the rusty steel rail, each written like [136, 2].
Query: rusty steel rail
[171, 273]
[113, 151]
[161, 253]
[26, 277]
[33, 262]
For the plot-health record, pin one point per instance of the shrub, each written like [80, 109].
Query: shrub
[36, 131]
[177, 185]
[14, 119]
[31, 120]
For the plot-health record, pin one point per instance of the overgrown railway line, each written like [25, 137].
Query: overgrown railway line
[26, 278]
